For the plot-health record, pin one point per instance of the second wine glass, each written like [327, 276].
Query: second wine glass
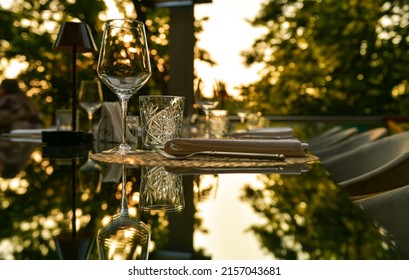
[207, 97]
[90, 99]
[124, 66]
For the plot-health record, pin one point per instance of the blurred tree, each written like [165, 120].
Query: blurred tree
[331, 57]
[29, 28]
[309, 220]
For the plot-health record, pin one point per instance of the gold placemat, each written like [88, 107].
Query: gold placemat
[154, 159]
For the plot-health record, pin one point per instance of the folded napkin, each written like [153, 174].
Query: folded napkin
[34, 132]
[109, 127]
[287, 147]
[270, 132]
[26, 135]
[112, 173]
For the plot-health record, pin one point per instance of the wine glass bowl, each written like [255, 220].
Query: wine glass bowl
[124, 66]
[241, 113]
[124, 238]
[241, 110]
[207, 97]
[90, 98]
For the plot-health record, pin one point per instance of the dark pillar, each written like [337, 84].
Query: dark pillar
[181, 52]
[181, 225]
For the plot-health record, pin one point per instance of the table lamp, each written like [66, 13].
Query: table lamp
[73, 37]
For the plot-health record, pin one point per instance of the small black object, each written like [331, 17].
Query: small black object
[60, 137]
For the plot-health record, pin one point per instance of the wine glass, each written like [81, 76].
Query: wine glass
[90, 177]
[90, 98]
[124, 66]
[241, 110]
[125, 237]
[207, 96]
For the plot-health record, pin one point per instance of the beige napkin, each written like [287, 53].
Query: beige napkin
[109, 127]
[287, 147]
[269, 132]
[112, 173]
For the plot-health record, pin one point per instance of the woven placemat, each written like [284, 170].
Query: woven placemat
[154, 159]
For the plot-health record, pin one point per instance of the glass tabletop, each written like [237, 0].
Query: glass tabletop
[287, 212]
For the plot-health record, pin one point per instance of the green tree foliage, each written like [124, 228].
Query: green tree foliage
[331, 57]
[308, 217]
[29, 29]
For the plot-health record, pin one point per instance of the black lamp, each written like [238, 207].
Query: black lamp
[73, 37]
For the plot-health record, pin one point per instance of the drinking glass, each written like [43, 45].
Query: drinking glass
[90, 99]
[125, 237]
[241, 111]
[207, 96]
[218, 123]
[161, 190]
[124, 66]
[161, 119]
[90, 177]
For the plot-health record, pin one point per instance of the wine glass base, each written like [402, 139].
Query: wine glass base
[123, 149]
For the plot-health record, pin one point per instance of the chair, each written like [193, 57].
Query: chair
[389, 210]
[318, 138]
[351, 143]
[333, 138]
[373, 167]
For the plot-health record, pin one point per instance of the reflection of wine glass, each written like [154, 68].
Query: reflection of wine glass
[124, 237]
[90, 98]
[207, 96]
[124, 65]
[90, 177]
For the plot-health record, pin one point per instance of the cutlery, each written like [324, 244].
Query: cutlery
[278, 157]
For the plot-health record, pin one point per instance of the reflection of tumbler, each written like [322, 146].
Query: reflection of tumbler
[161, 190]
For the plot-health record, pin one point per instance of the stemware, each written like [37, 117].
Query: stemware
[125, 237]
[207, 97]
[90, 177]
[90, 99]
[124, 66]
[241, 110]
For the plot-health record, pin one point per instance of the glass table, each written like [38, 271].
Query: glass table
[54, 200]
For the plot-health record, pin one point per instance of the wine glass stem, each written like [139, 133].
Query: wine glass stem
[90, 122]
[207, 124]
[124, 200]
[124, 110]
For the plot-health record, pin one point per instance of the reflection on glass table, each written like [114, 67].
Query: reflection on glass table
[90, 178]
[291, 169]
[259, 215]
[205, 186]
[161, 190]
[125, 237]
